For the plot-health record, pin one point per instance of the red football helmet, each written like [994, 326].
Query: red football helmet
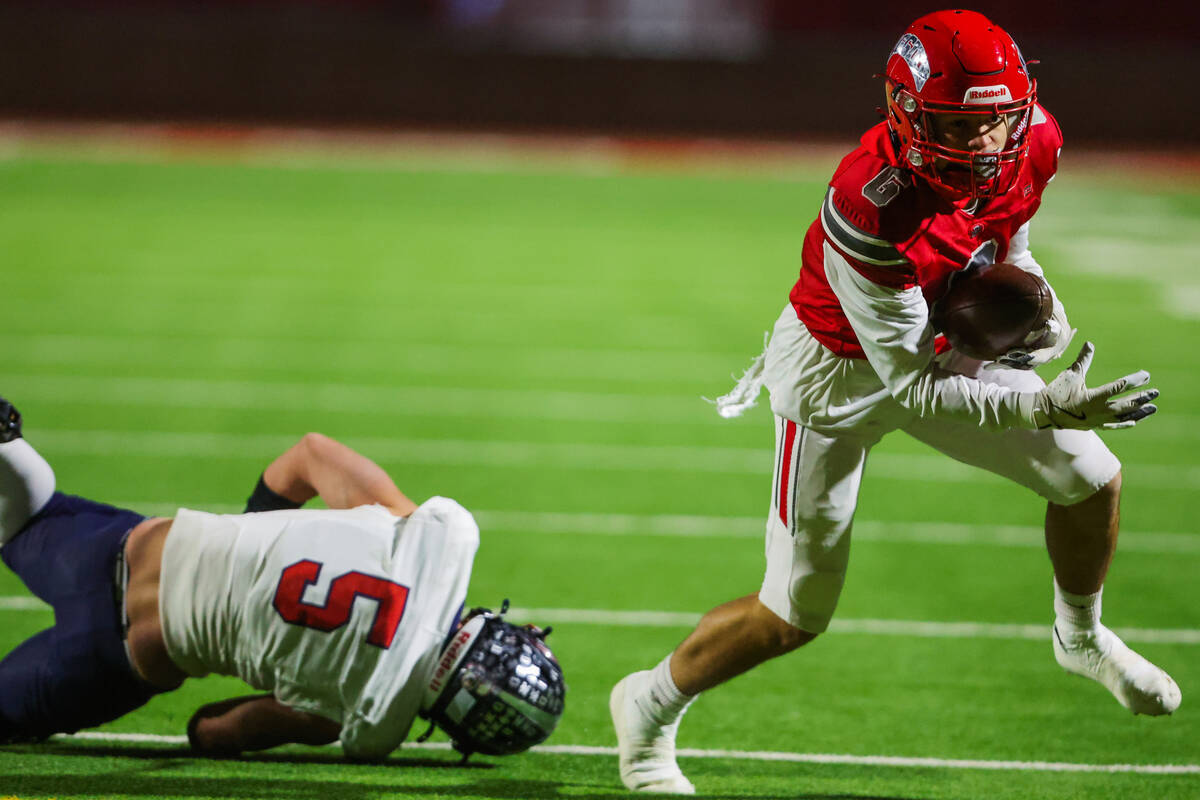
[959, 63]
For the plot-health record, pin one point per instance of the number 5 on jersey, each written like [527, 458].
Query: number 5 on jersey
[390, 598]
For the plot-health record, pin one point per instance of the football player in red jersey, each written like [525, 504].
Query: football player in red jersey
[948, 183]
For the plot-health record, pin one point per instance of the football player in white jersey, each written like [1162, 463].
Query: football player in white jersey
[349, 619]
[947, 183]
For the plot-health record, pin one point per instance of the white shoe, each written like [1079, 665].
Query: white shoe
[645, 748]
[1101, 655]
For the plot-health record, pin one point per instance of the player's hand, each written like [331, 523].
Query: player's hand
[1041, 346]
[1067, 402]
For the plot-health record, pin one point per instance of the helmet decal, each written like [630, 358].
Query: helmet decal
[987, 95]
[452, 655]
[913, 52]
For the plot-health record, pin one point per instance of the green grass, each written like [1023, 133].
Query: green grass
[538, 338]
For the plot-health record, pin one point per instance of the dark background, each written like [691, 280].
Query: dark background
[1118, 75]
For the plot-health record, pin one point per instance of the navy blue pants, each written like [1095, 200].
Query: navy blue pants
[75, 674]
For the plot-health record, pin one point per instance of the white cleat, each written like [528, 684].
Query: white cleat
[1101, 655]
[645, 748]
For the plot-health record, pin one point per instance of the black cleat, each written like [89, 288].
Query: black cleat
[10, 422]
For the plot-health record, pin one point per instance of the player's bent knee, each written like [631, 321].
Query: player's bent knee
[792, 638]
[202, 737]
[782, 636]
[1071, 467]
[1112, 489]
[1108, 495]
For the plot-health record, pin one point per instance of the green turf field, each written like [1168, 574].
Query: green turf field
[534, 340]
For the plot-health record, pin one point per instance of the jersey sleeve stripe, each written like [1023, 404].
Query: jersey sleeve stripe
[854, 241]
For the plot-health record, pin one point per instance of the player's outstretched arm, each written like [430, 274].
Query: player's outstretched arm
[256, 722]
[318, 465]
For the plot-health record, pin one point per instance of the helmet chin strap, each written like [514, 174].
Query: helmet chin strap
[424, 737]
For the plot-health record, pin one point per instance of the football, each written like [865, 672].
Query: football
[989, 311]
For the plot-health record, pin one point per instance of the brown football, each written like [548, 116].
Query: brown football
[989, 311]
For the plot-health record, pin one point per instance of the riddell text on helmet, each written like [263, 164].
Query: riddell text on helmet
[987, 94]
[448, 659]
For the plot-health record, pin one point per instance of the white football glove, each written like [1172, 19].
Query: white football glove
[1052, 339]
[1067, 402]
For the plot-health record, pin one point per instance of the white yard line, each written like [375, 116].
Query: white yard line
[441, 401]
[873, 627]
[722, 527]
[750, 755]
[298, 356]
[22, 604]
[870, 627]
[925, 468]
[924, 532]
[346, 397]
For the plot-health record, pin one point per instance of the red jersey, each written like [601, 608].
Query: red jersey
[897, 232]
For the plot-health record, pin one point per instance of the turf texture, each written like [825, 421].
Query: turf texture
[534, 339]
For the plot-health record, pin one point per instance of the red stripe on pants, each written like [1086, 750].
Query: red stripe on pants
[785, 470]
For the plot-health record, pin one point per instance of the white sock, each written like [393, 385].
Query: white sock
[662, 700]
[26, 485]
[1076, 613]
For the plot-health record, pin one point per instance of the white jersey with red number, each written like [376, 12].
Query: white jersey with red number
[880, 253]
[337, 612]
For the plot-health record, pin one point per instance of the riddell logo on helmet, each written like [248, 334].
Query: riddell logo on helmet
[980, 95]
[448, 658]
